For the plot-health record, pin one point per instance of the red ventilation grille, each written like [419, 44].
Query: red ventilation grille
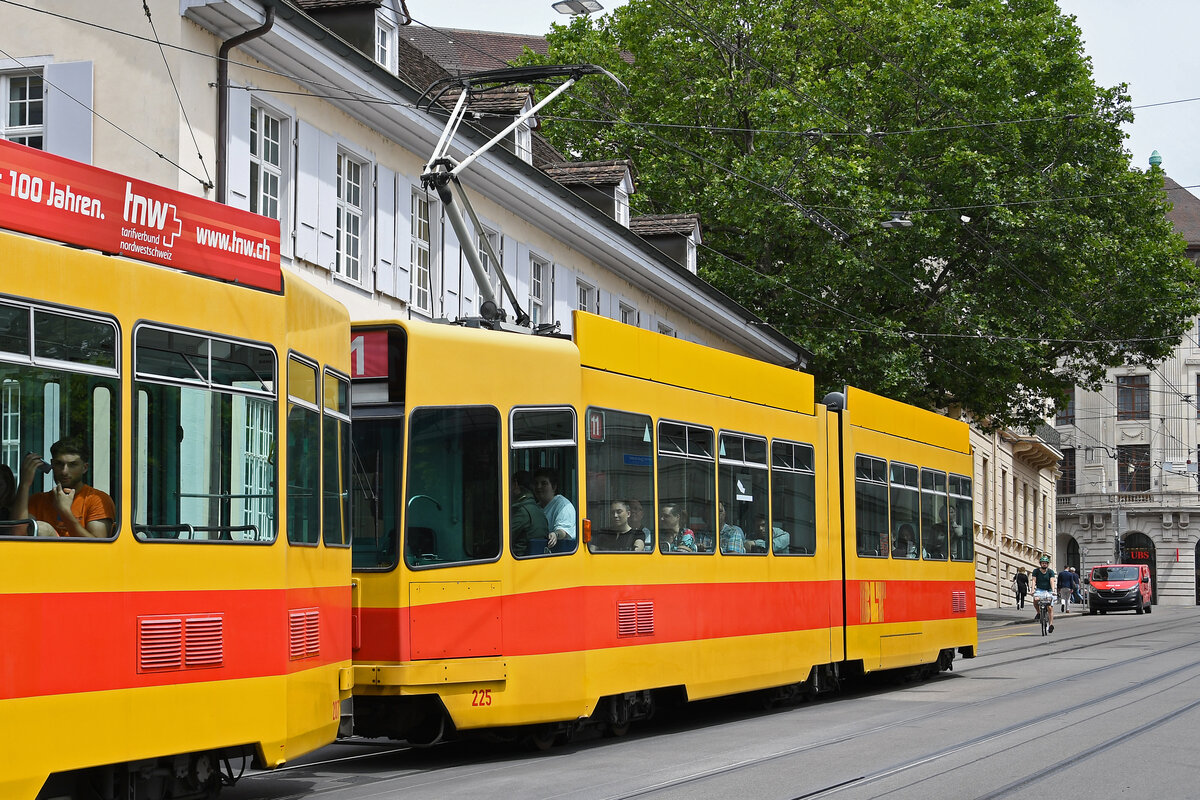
[180, 642]
[160, 643]
[635, 619]
[304, 633]
[204, 642]
[958, 602]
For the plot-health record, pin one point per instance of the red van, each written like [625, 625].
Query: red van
[1118, 586]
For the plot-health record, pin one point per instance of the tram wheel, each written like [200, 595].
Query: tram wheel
[542, 737]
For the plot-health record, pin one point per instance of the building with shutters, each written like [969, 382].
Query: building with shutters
[314, 118]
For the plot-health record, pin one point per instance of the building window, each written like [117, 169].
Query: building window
[627, 314]
[621, 206]
[385, 44]
[1066, 414]
[23, 121]
[422, 241]
[587, 297]
[1133, 397]
[349, 217]
[666, 330]
[1133, 468]
[523, 141]
[266, 166]
[1066, 483]
[489, 269]
[538, 270]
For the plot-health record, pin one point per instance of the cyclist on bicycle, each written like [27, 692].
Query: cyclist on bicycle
[1043, 588]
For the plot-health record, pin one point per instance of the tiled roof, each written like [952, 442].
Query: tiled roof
[1185, 216]
[461, 51]
[508, 101]
[662, 224]
[590, 173]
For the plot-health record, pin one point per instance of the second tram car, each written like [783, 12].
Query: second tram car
[725, 532]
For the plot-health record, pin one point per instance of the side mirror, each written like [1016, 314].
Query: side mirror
[1086, 581]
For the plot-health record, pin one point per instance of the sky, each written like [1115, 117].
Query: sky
[1149, 44]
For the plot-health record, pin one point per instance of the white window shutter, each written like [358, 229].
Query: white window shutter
[450, 259]
[385, 231]
[566, 296]
[68, 110]
[237, 154]
[327, 202]
[307, 183]
[510, 273]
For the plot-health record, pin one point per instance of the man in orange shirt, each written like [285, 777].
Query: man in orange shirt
[71, 508]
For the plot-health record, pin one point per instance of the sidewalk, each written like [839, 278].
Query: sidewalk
[1011, 615]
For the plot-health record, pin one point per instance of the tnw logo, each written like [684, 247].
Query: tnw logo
[151, 213]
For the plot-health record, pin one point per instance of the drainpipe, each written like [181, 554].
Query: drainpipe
[223, 95]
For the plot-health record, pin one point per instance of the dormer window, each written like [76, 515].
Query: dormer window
[385, 44]
[524, 143]
[621, 206]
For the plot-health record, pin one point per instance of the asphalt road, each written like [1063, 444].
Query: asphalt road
[1105, 707]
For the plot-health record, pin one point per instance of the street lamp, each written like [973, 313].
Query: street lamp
[897, 221]
[577, 7]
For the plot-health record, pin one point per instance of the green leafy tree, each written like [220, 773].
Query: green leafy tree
[1036, 257]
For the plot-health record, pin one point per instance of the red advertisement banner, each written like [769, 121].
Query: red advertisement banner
[56, 198]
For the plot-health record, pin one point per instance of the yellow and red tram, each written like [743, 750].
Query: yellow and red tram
[794, 542]
[213, 621]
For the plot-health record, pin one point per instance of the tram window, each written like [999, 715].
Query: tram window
[14, 330]
[59, 380]
[686, 508]
[933, 515]
[303, 453]
[742, 480]
[906, 510]
[335, 458]
[793, 522]
[962, 519]
[620, 481]
[378, 467]
[870, 505]
[70, 339]
[543, 445]
[454, 488]
[204, 438]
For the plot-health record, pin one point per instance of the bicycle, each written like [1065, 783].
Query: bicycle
[1043, 601]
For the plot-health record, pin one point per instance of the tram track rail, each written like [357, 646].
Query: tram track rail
[416, 777]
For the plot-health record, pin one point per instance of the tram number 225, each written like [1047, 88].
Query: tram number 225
[481, 697]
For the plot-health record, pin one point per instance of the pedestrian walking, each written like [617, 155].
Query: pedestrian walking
[1021, 586]
[1067, 584]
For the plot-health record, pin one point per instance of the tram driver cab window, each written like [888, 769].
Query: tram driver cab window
[453, 501]
[59, 408]
[543, 447]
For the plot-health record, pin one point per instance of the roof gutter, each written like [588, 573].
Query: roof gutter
[223, 96]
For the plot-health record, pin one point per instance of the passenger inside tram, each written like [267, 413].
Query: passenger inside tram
[559, 511]
[527, 522]
[675, 538]
[71, 508]
[732, 537]
[779, 539]
[905, 545]
[637, 516]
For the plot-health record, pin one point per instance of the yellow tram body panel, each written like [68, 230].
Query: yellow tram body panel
[77, 612]
[903, 611]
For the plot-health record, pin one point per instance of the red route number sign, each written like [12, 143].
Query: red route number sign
[56, 198]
